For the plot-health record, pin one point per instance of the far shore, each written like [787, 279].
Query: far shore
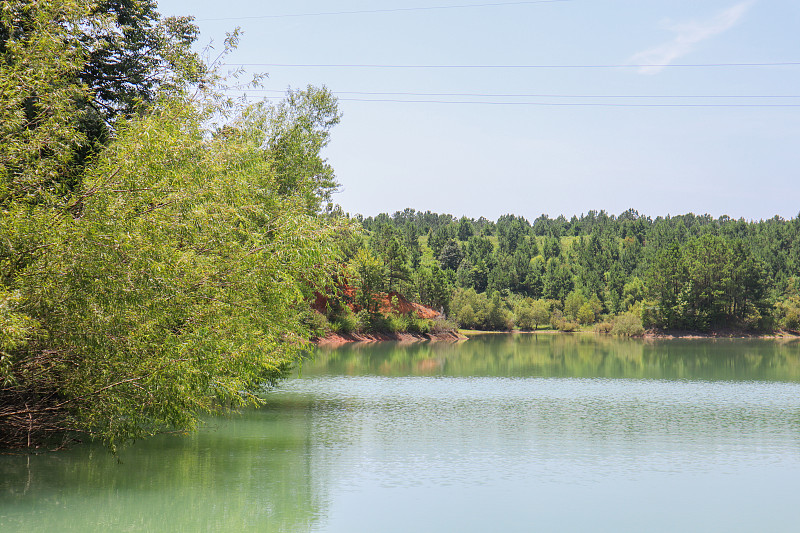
[344, 338]
[465, 334]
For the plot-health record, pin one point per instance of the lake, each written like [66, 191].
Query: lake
[499, 433]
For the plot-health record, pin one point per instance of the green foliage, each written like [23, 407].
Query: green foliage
[175, 293]
[16, 330]
[316, 323]
[170, 283]
[368, 279]
[451, 255]
[540, 312]
[706, 282]
[433, 287]
[573, 304]
[628, 324]
[560, 322]
[585, 314]
[465, 229]
[558, 281]
[603, 327]
[523, 314]
[787, 309]
[39, 98]
[386, 243]
[529, 314]
[419, 326]
[632, 293]
[294, 132]
[62, 88]
[339, 317]
[396, 323]
[688, 271]
[129, 36]
[474, 310]
[465, 316]
[511, 232]
[498, 316]
[791, 316]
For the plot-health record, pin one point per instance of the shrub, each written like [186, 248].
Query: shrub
[441, 325]
[523, 313]
[603, 327]
[318, 326]
[568, 326]
[466, 317]
[573, 304]
[556, 319]
[586, 314]
[396, 323]
[787, 312]
[541, 312]
[792, 319]
[346, 324]
[628, 324]
[419, 326]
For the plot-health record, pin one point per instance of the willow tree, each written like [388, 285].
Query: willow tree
[171, 283]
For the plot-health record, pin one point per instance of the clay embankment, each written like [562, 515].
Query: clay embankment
[336, 338]
[391, 303]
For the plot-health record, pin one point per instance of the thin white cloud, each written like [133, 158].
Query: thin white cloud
[689, 34]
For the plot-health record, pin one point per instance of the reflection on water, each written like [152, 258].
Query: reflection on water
[500, 433]
[247, 473]
[548, 355]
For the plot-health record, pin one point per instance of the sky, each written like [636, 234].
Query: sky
[489, 107]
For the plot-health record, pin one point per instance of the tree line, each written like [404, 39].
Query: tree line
[626, 272]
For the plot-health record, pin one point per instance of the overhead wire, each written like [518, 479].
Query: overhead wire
[536, 95]
[385, 10]
[550, 104]
[511, 66]
[515, 66]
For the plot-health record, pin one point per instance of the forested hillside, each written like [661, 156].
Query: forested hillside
[625, 272]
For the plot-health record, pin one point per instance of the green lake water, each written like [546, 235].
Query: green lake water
[500, 433]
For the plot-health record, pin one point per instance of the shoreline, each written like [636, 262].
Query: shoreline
[462, 335]
[345, 338]
[721, 334]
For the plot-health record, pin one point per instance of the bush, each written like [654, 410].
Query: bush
[396, 324]
[380, 323]
[419, 326]
[441, 325]
[792, 319]
[346, 323]
[568, 326]
[498, 318]
[318, 326]
[628, 324]
[573, 304]
[466, 317]
[586, 314]
[523, 313]
[556, 319]
[788, 313]
[603, 327]
[541, 312]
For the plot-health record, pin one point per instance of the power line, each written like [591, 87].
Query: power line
[387, 10]
[540, 95]
[542, 104]
[542, 66]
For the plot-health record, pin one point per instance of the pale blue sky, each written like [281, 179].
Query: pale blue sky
[484, 159]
